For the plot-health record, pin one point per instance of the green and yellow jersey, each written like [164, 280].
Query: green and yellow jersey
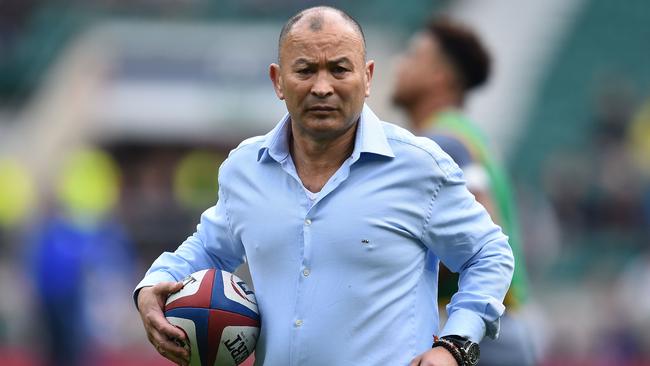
[466, 144]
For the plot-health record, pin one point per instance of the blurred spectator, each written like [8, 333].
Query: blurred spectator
[81, 262]
[607, 187]
[638, 136]
[17, 194]
[445, 61]
[153, 216]
[195, 180]
[600, 194]
[17, 203]
[13, 16]
[633, 306]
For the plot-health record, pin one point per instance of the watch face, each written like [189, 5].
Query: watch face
[473, 354]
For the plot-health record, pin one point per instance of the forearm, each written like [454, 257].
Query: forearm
[468, 242]
[474, 311]
[211, 246]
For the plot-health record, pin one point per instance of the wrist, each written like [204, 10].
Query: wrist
[465, 352]
[450, 347]
[137, 296]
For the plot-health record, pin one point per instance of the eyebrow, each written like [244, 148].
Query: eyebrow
[340, 60]
[302, 60]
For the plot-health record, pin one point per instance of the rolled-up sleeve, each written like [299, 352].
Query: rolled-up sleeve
[211, 246]
[462, 234]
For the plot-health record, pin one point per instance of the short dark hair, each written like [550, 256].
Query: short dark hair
[317, 23]
[464, 49]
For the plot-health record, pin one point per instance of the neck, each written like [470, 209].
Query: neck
[420, 113]
[317, 159]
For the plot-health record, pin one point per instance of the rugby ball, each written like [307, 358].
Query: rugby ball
[218, 313]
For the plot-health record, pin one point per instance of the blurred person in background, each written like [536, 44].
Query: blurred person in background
[444, 62]
[638, 140]
[79, 247]
[18, 200]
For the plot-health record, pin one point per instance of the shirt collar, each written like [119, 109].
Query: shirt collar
[276, 142]
[370, 138]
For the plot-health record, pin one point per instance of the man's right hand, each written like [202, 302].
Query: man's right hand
[161, 333]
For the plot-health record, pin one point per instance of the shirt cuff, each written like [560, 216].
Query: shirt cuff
[465, 323]
[150, 280]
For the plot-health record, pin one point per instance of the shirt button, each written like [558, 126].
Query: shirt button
[305, 272]
[307, 222]
[298, 322]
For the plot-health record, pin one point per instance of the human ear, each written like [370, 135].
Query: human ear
[276, 78]
[370, 69]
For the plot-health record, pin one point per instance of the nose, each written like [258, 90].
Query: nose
[322, 86]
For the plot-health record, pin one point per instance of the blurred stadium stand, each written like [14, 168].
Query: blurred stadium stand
[577, 132]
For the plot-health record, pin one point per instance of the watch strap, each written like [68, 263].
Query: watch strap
[451, 347]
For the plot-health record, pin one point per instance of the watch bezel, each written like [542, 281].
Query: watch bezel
[473, 353]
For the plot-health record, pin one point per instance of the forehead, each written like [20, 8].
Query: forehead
[424, 48]
[327, 35]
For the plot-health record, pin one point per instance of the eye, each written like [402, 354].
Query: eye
[304, 71]
[339, 70]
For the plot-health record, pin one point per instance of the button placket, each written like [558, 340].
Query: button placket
[299, 314]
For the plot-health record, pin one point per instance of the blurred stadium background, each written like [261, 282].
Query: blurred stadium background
[114, 116]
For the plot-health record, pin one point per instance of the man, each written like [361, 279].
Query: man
[443, 63]
[334, 211]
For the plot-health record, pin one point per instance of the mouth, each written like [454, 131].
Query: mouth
[320, 108]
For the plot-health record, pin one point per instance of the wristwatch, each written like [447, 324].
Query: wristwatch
[466, 352]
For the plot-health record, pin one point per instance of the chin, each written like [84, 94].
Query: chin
[326, 128]
[329, 119]
[324, 124]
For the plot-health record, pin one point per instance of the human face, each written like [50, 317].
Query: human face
[420, 70]
[323, 78]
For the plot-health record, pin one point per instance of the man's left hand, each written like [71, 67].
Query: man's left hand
[437, 356]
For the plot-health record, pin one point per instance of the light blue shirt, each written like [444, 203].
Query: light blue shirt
[342, 281]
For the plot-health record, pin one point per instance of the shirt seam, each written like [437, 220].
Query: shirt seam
[436, 189]
[249, 141]
[225, 206]
[429, 212]
[413, 325]
[432, 155]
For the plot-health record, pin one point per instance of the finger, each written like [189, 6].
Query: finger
[162, 291]
[173, 358]
[166, 288]
[163, 326]
[170, 349]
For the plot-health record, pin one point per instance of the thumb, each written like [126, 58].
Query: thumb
[162, 291]
[166, 288]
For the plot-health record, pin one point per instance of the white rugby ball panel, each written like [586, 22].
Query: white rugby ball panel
[235, 289]
[190, 330]
[237, 343]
